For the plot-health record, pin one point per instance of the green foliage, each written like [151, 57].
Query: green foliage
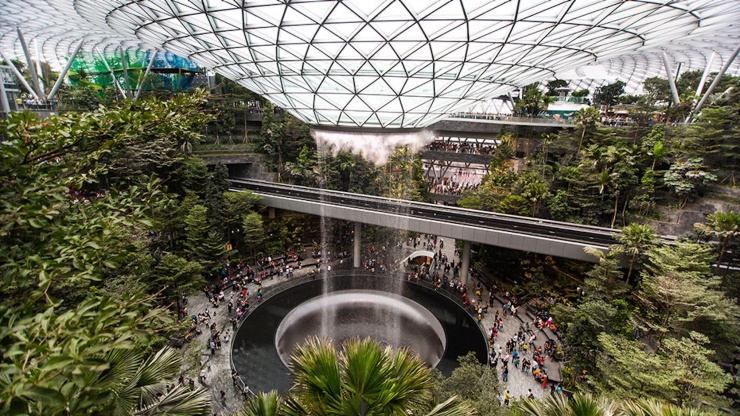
[725, 226]
[631, 371]
[657, 89]
[304, 171]
[696, 377]
[515, 204]
[680, 294]
[558, 206]
[553, 85]
[634, 241]
[472, 381]
[587, 405]
[68, 347]
[253, 231]
[176, 276]
[688, 179]
[264, 404]
[532, 102]
[56, 360]
[586, 119]
[361, 378]
[608, 94]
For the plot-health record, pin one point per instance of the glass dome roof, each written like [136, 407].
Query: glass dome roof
[386, 63]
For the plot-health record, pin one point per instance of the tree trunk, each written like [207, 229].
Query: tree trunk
[583, 134]
[616, 208]
[624, 209]
[245, 128]
[632, 264]
[719, 261]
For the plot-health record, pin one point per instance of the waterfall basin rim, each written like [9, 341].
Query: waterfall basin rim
[387, 318]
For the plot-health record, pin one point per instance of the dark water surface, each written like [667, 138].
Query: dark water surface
[256, 358]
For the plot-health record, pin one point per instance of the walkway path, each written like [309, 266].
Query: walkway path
[216, 368]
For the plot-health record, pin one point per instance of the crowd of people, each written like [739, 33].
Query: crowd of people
[462, 147]
[456, 184]
[229, 298]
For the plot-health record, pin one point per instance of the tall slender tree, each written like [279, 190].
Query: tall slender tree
[634, 241]
[725, 225]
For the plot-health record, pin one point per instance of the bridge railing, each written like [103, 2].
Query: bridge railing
[510, 119]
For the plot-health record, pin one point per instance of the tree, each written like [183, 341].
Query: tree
[304, 170]
[587, 119]
[472, 381]
[515, 204]
[587, 405]
[581, 93]
[361, 378]
[533, 188]
[630, 370]
[560, 405]
[59, 227]
[657, 90]
[253, 230]
[604, 280]
[646, 407]
[236, 205]
[533, 101]
[688, 179]
[634, 241]
[608, 95]
[272, 135]
[679, 294]
[726, 227]
[695, 375]
[197, 231]
[264, 404]
[176, 276]
[135, 384]
[553, 85]
[217, 182]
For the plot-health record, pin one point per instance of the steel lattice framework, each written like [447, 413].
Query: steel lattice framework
[387, 63]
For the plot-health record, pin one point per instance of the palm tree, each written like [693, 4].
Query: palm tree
[137, 385]
[361, 379]
[586, 405]
[559, 405]
[264, 404]
[653, 408]
[658, 153]
[586, 118]
[634, 240]
[725, 226]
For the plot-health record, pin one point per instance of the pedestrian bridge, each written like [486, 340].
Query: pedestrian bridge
[533, 235]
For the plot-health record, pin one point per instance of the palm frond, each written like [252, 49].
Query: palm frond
[654, 408]
[452, 407]
[180, 401]
[316, 374]
[264, 404]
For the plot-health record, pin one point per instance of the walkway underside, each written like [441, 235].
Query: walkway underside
[403, 221]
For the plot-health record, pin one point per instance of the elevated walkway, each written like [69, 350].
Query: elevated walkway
[534, 235]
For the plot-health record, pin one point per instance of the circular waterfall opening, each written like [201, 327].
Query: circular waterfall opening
[386, 318]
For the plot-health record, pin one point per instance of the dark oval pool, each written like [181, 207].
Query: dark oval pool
[261, 344]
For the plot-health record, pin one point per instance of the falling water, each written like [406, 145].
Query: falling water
[378, 148]
[329, 314]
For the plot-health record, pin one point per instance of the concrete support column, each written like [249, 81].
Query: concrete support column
[271, 213]
[465, 262]
[358, 245]
[4, 103]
